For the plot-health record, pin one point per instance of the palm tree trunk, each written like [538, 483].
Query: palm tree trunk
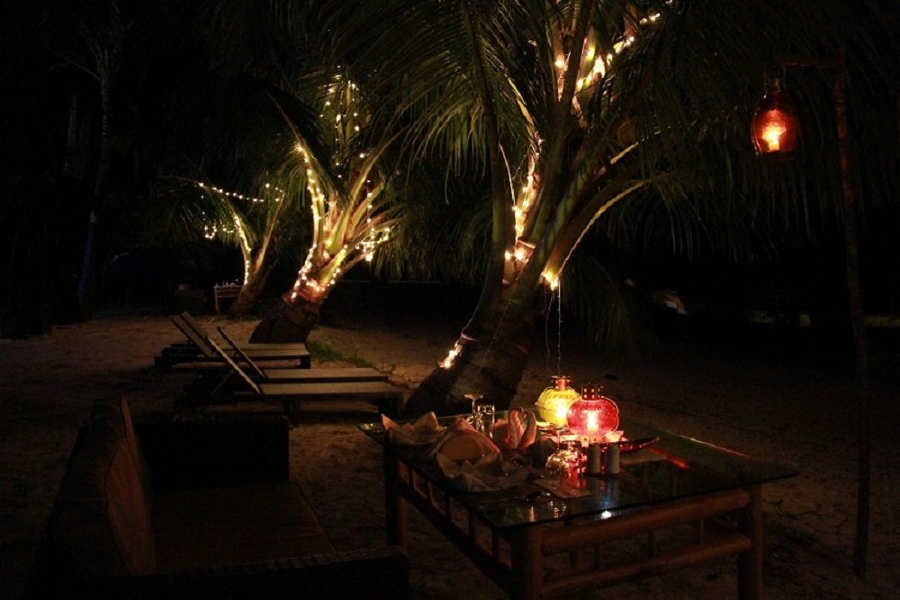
[87, 280]
[250, 292]
[492, 357]
[288, 321]
[246, 299]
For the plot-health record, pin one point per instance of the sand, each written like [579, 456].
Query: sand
[799, 416]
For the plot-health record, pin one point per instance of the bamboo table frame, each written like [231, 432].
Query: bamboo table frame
[515, 557]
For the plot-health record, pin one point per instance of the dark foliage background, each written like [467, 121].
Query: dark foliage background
[183, 109]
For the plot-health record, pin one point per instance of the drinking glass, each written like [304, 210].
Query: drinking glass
[486, 416]
[477, 400]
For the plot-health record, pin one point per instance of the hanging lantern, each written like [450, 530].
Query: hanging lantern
[554, 402]
[775, 126]
[594, 415]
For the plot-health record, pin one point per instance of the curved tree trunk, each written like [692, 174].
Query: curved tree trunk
[492, 357]
[246, 299]
[288, 321]
[250, 292]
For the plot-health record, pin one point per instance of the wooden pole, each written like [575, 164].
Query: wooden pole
[395, 506]
[854, 297]
[750, 563]
[527, 570]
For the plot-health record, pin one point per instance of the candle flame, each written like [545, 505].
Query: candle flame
[772, 134]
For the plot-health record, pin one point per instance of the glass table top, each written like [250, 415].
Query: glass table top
[674, 467]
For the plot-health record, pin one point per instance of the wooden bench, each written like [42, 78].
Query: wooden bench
[200, 508]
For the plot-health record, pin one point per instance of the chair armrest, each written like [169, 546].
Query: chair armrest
[372, 573]
[202, 450]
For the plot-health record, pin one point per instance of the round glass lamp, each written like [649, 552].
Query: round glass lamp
[554, 402]
[774, 127]
[593, 415]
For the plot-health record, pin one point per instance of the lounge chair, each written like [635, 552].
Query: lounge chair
[200, 330]
[211, 383]
[319, 374]
[292, 394]
[198, 352]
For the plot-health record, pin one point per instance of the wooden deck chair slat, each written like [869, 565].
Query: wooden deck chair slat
[198, 327]
[234, 367]
[335, 374]
[259, 372]
[331, 389]
[197, 340]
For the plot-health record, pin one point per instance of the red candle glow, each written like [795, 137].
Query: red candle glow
[775, 125]
[594, 415]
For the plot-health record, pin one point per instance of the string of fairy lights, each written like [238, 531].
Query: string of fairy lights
[213, 228]
[596, 67]
[343, 232]
[341, 236]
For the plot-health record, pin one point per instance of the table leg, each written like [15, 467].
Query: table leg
[527, 563]
[395, 506]
[750, 563]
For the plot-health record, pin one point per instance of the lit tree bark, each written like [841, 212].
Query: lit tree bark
[350, 213]
[288, 321]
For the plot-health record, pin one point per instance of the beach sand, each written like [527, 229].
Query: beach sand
[796, 415]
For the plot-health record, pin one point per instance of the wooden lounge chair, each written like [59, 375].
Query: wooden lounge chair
[198, 352]
[200, 330]
[292, 394]
[319, 374]
[212, 383]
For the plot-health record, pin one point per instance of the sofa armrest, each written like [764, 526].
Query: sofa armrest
[203, 450]
[372, 573]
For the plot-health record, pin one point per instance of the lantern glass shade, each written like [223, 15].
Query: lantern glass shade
[594, 415]
[775, 127]
[554, 402]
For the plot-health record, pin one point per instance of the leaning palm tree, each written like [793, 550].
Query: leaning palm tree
[350, 197]
[258, 225]
[583, 107]
[580, 109]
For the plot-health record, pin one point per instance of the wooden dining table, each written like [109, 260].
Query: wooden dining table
[537, 543]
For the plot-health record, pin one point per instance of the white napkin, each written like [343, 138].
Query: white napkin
[425, 430]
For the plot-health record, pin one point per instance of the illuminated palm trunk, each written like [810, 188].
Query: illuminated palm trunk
[349, 223]
[567, 186]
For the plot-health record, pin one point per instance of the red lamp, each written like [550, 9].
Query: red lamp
[774, 127]
[594, 415]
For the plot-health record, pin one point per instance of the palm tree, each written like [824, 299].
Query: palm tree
[350, 197]
[582, 109]
[257, 225]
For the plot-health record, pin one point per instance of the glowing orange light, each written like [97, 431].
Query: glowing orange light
[775, 126]
[772, 133]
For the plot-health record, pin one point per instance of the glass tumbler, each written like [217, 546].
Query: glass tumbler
[486, 414]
